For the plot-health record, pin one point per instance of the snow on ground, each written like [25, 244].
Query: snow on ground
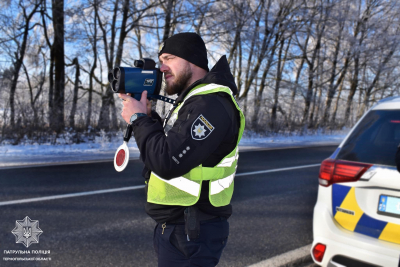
[104, 150]
[251, 141]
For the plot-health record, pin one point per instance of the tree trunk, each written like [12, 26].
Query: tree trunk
[364, 94]
[238, 31]
[114, 118]
[91, 75]
[139, 41]
[317, 109]
[107, 99]
[368, 91]
[311, 70]
[294, 91]
[167, 32]
[168, 17]
[75, 97]
[268, 35]
[277, 86]
[108, 102]
[239, 75]
[57, 117]
[360, 28]
[353, 88]
[312, 107]
[332, 86]
[104, 117]
[51, 85]
[333, 120]
[253, 44]
[316, 100]
[17, 68]
[32, 102]
[257, 101]
[122, 34]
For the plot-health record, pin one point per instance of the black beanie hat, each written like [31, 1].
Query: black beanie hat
[187, 45]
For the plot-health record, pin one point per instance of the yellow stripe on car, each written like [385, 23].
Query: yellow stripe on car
[391, 233]
[349, 221]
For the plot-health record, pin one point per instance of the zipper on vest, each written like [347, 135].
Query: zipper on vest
[188, 115]
[163, 227]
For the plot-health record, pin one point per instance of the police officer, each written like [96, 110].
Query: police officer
[191, 156]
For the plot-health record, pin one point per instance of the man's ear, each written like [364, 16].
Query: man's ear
[197, 71]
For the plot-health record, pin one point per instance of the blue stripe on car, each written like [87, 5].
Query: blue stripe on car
[370, 226]
[339, 192]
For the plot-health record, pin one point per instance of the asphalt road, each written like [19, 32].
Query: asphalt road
[272, 211]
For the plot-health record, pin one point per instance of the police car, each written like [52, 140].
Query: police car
[357, 214]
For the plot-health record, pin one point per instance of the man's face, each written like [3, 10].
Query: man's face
[177, 73]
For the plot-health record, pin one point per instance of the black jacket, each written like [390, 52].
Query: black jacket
[159, 152]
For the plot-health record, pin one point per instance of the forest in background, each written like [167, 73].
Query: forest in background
[300, 65]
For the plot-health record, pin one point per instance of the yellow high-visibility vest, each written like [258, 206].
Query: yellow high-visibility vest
[185, 190]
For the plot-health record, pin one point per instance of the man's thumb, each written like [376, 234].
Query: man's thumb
[143, 99]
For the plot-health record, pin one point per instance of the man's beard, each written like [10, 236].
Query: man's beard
[181, 82]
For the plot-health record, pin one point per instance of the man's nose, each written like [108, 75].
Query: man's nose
[164, 68]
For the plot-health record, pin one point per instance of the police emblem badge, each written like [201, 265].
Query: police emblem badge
[201, 128]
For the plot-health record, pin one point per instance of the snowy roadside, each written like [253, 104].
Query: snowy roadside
[28, 155]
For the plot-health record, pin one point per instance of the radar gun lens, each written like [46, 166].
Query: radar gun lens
[115, 86]
[110, 77]
[117, 73]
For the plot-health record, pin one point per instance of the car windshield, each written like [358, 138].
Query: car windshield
[375, 139]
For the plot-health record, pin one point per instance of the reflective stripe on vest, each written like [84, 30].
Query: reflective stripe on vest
[221, 184]
[185, 190]
[227, 162]
[182, 183]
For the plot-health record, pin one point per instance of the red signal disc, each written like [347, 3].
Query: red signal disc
[120, 158]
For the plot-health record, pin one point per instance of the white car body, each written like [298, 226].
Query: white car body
[347, 216]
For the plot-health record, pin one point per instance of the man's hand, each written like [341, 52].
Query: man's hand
[132, 106]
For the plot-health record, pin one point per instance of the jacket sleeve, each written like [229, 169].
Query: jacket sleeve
[155, 115]
[202, 124]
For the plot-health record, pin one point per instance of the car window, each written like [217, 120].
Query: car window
[375, 139]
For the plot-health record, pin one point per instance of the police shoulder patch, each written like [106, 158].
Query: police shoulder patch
[201, 128]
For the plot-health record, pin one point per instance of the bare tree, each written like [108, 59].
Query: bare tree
[388, 45]
[297, 64]
[279, 70]
[360, 33]
[333, 85]
[320, 26]
[19, 37]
